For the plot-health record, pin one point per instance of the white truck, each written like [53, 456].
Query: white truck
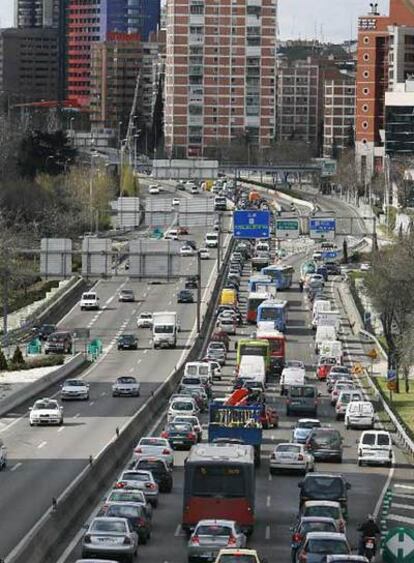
[164, 329]
[329, 318]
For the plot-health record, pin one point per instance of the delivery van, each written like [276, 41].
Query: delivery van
[228, 297]
[291, 376]
[252, 367]
[323, 334]
[319, 306]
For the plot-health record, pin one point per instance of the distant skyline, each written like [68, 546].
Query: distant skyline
[330, 20]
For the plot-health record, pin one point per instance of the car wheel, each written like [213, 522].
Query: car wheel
[31, 423]
[287, 412]
[113, 394]
[143, 540]
[272, 471]
[339, 459]
[46, 352]
[155, 503]
[359, 463]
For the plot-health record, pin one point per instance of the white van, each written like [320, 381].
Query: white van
[211, 240]
[332, 349]
[291, 376]
[262, 247]
[375, 447]
[359, 414]
[319, 306]
[323, 334]
[252, 367]
[198, 369]
[89, 301]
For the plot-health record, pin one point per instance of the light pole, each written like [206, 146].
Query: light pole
[91, 218]
[72, 131]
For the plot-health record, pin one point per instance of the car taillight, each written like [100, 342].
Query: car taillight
[119, 485]
[303, 558]
[232, 541]
[273, 456]
[164, 434]
[138, 450]
[308, 446]
[191, 435]
[341, 526]
[195, 540]
[288, 401]
[166, 452]
[127, 540]
[300, 457]
[297, 538]
[151, 486]
[141, 522]
[87, 538]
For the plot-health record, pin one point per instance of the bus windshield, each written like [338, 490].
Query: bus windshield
[270, 313]
[252, 350]
[219, 481]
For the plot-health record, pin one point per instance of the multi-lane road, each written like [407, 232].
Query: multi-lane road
[43, 461]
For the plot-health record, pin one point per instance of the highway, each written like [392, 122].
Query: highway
[43, 461]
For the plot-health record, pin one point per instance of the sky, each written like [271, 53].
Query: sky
[330, 20]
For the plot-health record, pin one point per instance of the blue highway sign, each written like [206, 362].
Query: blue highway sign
[251, 224]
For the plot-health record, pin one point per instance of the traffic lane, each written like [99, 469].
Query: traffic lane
[99, 421]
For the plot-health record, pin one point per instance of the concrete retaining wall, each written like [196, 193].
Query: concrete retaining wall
[16, 399]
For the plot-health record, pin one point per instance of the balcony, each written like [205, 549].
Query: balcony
[195, 39]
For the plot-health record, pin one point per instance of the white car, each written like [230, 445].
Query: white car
[154, 446]
[186, 250]
[89, 301]
[375, 448]
[365, 267]
[126, 386]
[194, 190]
[175, 202]
[46, 411]
[74, 389]
[204, 254]
[292, 457]
[145, 320]
[182, 406]
[171, 235]
[154, 190]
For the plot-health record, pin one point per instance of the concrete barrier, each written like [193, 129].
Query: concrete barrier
[44, 543]
[19, 397]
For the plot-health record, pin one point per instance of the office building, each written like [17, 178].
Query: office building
[220, 74]
[339, 113]
[382, 63]
[88, 22]
[399, 120]
[144, 17]
[37, 13]
[29, 65]
[115, 64]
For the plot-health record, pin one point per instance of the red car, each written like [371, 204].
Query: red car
[324, 367]
[221, 336]
[183, 231]
[270, 418]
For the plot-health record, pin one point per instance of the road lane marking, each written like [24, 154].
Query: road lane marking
[41, 445]
[270, 477]
[61, 429]
[91, 403]
[139, 361]
[145, 351]
[402, 495]
[16, 466]
[397, 518]
[268, 501]
[409, 487]
[403, 506]
[267, 533]
[177, 531]
[103, 393]
[77, 415]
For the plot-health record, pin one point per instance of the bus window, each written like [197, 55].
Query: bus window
[219, 480]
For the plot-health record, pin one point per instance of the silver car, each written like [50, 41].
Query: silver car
[111, 537]
[126, 386]
[134, 496]
[142, 480]
[74, 389]
[154, 446]
[210, 536]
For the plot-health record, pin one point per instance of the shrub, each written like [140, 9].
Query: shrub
[17, 358]
[3, 362]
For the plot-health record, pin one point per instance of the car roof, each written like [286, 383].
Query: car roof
[319, 475]
[332, 503]
[327, 519]
[325, 535]
[211, 522]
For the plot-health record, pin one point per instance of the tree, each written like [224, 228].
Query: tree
[345, 251]
[17, 359]
[3, 362]
[346, 174]
[129, 185]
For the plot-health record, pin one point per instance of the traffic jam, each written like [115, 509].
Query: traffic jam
[226, 404]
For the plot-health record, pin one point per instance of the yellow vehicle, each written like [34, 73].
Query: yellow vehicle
[208, 184]
[248, 555]
[228, 297]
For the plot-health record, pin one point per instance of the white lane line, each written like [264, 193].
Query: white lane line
[409, 487]
[131, 370]
[77, 415]
[91, 403]
[145, 351]
[267, 534]
[403, 506]
[41, 445]
[16, 466]
[61, 429]
[268, 501]
[177, 531]
[398, 518]
[139, 361]
[402, 495]
[103, 393]
[270, 477]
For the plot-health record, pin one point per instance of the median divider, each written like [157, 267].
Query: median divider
[55, 529]
[20, 396]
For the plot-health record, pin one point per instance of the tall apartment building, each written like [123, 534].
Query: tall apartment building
[37, 13]
[115, 64]
[29, 65]
[299, 101]
[153, 56]
[385, 54]
[89, 21]
[220, 74]
[144, 17]
[339, 112]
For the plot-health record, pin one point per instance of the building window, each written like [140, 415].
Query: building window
[365, 57]
[365, 74]
[365, 108]
[365, 125]
[366, 40]
[365, 91]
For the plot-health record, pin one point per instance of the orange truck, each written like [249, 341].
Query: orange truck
[254, 196]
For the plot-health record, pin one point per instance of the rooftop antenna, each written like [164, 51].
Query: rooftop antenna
[374, 9]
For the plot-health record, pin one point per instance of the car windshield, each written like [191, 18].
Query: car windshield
[126, 496]
[191, 370]
[124, 511]
[290, 448]
[127, 291]
[182, 406]
[145, 316]
[317, 527]
[191, 381]
[371, 439]
[180, 427]
[308, 424]
[133, 476]
[74, 383]
[126, 380]
[43, 405]
[213, 530]
[228, 558]
[324, 511]
[327, 547]
[326, 437]
[155, 466]
[151, 442]
[105, 525]
[323, 487]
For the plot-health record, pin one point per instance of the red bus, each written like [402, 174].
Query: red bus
[219, 482]
[253, 301]
[277, 347]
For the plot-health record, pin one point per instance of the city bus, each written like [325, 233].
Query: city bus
[253, 301]
[256, 280]
[274, 311]
[282, 276]
[219, 483]
[253, 347]
[277, 347]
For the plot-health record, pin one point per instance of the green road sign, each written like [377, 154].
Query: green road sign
[399, 546]
[287, 228]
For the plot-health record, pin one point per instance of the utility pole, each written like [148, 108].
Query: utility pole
[219, 243]
[198, 292]
[5, 282]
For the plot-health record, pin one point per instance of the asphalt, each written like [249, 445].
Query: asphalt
[43, 461]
